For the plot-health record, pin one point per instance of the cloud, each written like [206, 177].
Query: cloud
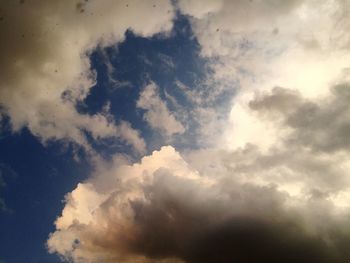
[323, 125]
[157, 114]
[131, 135]
[273, 187]
[251, 204]
[199, 9]
[45, 62]
[225, 25]
[258, 45]
[113, 82]
[262, 44]
[162, 209]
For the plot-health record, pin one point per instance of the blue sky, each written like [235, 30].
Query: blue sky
[35, 181]
[174, 131]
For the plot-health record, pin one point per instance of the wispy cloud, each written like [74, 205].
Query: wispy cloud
[157, 114]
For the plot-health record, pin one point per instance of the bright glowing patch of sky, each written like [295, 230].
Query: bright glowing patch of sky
[174, 131]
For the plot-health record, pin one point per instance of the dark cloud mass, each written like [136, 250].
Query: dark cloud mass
[169, 213]
[208, 232]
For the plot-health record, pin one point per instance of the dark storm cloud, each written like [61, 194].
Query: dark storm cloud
[176, 226]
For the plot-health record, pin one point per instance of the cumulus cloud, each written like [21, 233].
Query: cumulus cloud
[45, 62]
[157, 114]
[162, 210]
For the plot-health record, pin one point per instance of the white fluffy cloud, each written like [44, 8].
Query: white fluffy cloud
[157, 114]
[45, 62]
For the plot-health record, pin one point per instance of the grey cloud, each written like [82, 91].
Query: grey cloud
[281, 99]
[288, 165]
[323, 125]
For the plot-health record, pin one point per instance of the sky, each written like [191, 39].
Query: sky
[174, 131]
